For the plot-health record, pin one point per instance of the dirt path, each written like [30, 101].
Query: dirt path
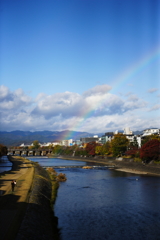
[13, 204]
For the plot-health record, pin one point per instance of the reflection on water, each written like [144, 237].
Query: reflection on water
[46, 162]
[100, 203]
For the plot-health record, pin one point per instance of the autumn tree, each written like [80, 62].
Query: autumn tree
[80, 152]
[50, 146]
[58, 149]
[90, 148]
[119, 144]
[150, 151]
[68, 150]
[106, 149]
[36, 144]
[132, 151]
[103, 149]
[150, 137]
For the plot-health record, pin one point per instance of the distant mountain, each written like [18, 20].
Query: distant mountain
[15, 138]
[137, 132]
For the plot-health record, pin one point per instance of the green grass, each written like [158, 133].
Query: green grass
[157, 162]
[137, 160]
[55, 185]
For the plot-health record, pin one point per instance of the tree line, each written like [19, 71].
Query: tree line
[119, 146]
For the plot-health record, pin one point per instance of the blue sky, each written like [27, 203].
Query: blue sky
[62, 65]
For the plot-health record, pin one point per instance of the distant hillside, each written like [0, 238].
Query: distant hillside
[137, 132]
[15, 138]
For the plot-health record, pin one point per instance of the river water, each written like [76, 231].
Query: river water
[101, 203]
[5, 164]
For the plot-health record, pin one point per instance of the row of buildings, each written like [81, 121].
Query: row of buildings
[108, 136]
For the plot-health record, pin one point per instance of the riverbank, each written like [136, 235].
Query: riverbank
[13, 204]
[120, 164]
[39, 221]
[27, 212]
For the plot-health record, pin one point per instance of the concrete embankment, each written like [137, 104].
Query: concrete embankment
[120, 164]
[39, 221]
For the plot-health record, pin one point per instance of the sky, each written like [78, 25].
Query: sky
[82, 65]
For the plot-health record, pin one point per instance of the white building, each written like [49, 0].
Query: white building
[150, 131]
[55, 143]
[127, 131]
[67, 142]
[24, 145]
[45, 144]
[49, 144]
[131, 137]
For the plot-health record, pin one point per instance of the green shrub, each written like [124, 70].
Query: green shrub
[137, 160]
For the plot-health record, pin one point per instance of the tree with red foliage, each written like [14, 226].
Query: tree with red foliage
[90, 148]
[150, 151]
[133, 151]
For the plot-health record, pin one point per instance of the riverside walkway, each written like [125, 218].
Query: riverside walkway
[13, 205]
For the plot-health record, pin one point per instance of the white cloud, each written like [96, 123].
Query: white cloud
[97, 110]
[133, 97]
[13, 101]
[152, 90]
[4, 91]
[98, 90]
[155, 108]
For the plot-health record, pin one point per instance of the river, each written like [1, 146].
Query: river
[5, 164]
[101, 203]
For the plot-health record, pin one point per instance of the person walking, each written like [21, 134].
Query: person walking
[12, 185]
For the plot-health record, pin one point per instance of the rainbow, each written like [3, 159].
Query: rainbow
[124, 77]
[136, 67]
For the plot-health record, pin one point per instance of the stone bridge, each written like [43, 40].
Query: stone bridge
[29, 152]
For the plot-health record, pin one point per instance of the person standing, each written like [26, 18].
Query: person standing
[12, 185]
